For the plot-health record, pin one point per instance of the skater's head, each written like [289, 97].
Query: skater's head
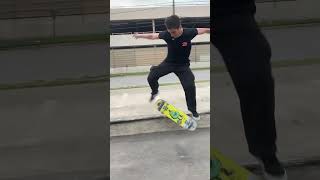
[173, 25]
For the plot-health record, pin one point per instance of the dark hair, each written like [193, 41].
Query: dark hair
[172, 22]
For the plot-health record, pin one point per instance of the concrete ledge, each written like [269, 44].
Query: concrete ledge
[126, 119]
[151, 125]
[290, 163]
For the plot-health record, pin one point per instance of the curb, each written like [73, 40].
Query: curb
[145, 118]
[290, 26]
[151, 126]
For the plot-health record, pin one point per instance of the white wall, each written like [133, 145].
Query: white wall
[128, 40]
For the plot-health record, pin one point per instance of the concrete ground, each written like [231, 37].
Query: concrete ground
[54, 132]
[179, 155]
[304, 172]
[297, 88]
[297, 115]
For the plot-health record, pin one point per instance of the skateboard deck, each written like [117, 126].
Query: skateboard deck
[175, 115]
[223, 168]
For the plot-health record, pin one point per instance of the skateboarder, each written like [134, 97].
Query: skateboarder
[178, 41]
[247, 55]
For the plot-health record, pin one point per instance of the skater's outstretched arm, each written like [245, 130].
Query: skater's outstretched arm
[203, 30]
[151, 36]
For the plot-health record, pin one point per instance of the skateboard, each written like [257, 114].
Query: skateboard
[223, 168]
[176, 115]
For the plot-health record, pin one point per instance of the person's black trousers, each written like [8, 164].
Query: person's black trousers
[247, 54]
[185, 76]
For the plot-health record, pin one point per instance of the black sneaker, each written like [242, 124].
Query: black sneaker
[195, 116]
[272, 168]
[153, 96]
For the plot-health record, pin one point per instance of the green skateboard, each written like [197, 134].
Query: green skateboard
[176, 115]
[223, 168]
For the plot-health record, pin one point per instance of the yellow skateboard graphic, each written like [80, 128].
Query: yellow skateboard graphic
[223, 168]
[176, 115]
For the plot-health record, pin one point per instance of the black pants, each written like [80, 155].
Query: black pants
[185, 76]
[247, 55]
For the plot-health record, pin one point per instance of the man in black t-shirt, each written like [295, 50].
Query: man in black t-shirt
[178, 41]
[247, 55]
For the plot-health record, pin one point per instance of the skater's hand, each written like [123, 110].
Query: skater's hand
[203, 30]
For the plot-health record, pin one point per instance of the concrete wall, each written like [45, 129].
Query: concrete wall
[25, 28]
[288, 10]
[53, 62]
[288, 43]
[44, 27]
[152, 56]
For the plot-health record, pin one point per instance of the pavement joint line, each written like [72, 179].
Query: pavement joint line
[159, 132]
[145, 119]
[100, 174]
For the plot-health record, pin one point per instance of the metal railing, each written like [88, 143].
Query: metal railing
[264, 1]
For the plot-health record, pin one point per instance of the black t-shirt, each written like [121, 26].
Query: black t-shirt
[179, 48]
[230, 7]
